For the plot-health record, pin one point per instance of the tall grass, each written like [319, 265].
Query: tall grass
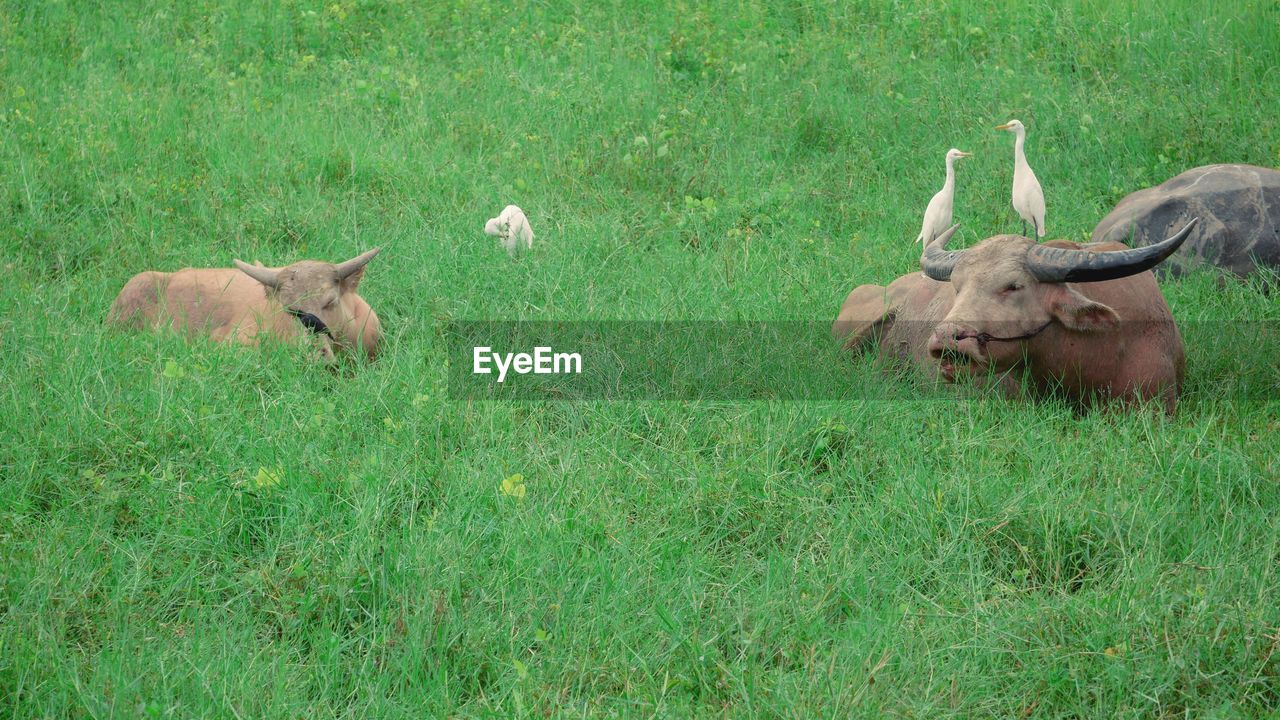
[194, 530]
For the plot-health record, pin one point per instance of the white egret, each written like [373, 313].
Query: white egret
[938, 215]
[1028, 198]
[511, 227]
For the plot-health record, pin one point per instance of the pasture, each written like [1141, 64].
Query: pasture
[199, 530]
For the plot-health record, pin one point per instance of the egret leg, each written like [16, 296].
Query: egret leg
[1024, 228]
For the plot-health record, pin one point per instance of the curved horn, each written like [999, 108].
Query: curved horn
[347, 268]
[938, 262]
[264, 275]
[1050, 264]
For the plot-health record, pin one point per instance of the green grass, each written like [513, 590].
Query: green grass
[746, 160]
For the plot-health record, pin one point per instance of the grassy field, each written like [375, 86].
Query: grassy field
[190, 530]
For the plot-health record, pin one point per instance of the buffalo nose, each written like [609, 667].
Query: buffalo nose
[935, 347]
[946, 336]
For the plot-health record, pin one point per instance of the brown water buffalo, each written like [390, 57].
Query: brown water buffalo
[250, 302]
[1084, 320]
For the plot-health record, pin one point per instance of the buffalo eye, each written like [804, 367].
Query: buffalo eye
[1012, 287]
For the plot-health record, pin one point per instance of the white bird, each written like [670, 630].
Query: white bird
[511, 227]
[937, 217]
[1028, 198]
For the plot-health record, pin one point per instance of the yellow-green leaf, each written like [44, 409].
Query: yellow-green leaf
[267, 478]
[513, 486]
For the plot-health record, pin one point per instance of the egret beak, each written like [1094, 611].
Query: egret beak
[965, 154]
[1003, 127]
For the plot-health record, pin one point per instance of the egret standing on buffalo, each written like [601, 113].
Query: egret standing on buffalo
[937, 217]
[1028, 198]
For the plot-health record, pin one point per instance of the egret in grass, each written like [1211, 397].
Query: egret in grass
[511, 227]
[1028, 198]
[938, 215]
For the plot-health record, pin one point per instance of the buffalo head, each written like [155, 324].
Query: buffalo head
[1010, 289]
[323, 298]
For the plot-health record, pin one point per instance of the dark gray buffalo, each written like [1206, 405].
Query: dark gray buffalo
[1084, 320]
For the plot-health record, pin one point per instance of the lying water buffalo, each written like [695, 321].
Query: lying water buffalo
[1011, 304]
[248, 303]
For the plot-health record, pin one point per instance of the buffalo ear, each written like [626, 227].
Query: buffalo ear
[352, 281]
[351, 271]
[1077, 312]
